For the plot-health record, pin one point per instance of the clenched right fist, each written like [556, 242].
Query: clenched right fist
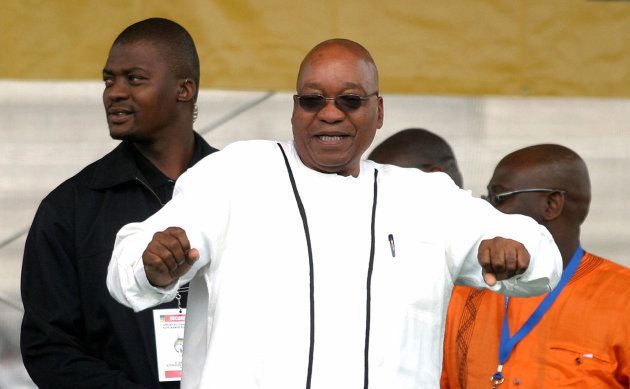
[168, 256]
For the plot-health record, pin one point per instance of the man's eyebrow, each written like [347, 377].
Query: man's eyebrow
[345, 85]
[351, 85]
[126, 70]
[312, 85]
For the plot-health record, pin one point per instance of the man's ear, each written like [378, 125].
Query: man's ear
[381, 113]
[187, 89]
[554, 206]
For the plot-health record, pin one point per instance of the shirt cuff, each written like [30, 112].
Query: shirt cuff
[159, 292]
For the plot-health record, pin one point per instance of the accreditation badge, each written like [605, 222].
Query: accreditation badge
[169, 342]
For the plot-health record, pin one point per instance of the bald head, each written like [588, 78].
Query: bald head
[559, 190]
[172, 40]
[419, 148]
[340, 47]
[556, 167]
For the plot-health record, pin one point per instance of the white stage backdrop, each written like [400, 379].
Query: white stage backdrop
[49, 130]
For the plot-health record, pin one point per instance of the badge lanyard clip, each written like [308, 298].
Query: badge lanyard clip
[497, 378]
[178, 297]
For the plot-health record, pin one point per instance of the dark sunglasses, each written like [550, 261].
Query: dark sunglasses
[497, 198]
[346, 102]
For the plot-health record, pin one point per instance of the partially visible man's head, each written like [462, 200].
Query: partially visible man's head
[421, 149]
[550, 181]
[151, 78]
[331, 137]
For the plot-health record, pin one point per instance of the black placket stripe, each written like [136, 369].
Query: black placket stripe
[298, 200]
[369, 287]
[312, 279]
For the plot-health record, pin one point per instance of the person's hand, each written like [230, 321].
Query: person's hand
[501, 259]
[168, 256]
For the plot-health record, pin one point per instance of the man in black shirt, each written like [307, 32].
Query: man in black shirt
[74, 334]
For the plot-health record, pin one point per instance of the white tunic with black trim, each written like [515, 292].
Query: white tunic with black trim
[259, 318]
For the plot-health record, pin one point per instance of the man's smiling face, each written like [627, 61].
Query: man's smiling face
[332, 140]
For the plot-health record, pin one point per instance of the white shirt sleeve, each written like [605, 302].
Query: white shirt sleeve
[474, 220]
[544, 271]
[198, 207]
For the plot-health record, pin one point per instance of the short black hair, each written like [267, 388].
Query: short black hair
[174, 41]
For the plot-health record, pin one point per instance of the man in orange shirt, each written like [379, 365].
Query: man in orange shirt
[580, 340]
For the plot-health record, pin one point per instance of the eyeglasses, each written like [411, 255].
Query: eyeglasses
[346, 102]
[497, 198]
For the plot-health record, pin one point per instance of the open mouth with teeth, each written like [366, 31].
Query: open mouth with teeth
[331, 138]
[119, 116]
[119, 112]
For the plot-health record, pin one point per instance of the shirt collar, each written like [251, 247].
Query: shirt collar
[120, 166]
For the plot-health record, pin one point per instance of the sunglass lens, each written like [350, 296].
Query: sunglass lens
[348, 102]
[312, 102]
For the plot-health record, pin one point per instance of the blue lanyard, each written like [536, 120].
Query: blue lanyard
[508, 343]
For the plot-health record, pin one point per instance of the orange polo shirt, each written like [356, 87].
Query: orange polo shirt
[583, 341]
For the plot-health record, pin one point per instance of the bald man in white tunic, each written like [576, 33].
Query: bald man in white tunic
[311, 268]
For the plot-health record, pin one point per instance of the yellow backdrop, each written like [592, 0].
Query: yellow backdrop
[470, 47]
